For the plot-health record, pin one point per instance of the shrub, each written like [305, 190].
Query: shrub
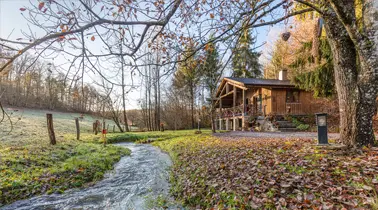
[300, 126]
[303, 127]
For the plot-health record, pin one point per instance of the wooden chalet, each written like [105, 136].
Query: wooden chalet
[239, 100]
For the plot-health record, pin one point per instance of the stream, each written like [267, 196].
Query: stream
[135, 183]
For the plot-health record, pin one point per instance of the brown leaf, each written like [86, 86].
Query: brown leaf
[120, 9]
[93, 38]
[41, 5]
[22, 9]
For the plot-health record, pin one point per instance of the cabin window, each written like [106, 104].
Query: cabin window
[292, 96]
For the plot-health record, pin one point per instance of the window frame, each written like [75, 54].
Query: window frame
[290, 98]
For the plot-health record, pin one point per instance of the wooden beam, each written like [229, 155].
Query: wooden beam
[237, 84]
[219, 90]
[224, 86]
[234, 96]
[227, 94]
[243, 113]
[234, 107]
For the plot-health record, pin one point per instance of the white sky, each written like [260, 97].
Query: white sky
[12, 22]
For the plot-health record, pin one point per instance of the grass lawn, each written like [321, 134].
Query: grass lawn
[269, 173]
[30, 166]
[30, 169]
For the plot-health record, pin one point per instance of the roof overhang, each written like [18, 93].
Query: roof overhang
[244, 86]
[229, 81]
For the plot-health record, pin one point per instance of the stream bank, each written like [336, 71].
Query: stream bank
[138, 181]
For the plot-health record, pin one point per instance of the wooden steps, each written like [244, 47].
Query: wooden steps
[286, 126]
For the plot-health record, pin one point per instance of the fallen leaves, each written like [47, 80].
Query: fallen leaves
[271, 173]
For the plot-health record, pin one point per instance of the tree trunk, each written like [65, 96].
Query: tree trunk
[212, 118]
[123, 88]
[357, 102]
[192, 105]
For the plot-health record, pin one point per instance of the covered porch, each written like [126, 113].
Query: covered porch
[234, 108]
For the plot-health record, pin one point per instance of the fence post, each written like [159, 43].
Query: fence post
[50, 129]
[104, 132]
[77, 128]
[95, 127]
[113, 128]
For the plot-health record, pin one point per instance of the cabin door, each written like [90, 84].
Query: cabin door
[257, 104]
[246, 107]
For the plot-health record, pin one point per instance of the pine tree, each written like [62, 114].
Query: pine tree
[320, 77]
[211, 74]
[187, 77]
[245, 61]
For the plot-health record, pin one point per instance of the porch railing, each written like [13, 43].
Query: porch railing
[249, 110]
[294, 108]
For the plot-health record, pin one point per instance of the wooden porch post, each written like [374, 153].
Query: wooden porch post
[243, 113]
[234, 108]
[220, 114]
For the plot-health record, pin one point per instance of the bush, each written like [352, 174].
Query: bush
[300, 126]
[303, 127]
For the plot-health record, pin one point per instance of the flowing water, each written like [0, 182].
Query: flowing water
[135, 183]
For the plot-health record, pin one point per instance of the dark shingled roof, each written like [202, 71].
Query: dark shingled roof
[261, 82]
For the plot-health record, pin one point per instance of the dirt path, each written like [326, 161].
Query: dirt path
[136, 182]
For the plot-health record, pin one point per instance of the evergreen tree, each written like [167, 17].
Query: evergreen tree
[320, 77]
[245, 61]
[187, 76]
[211, 75]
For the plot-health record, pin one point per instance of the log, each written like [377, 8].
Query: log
[50, 129]
[77, 128]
